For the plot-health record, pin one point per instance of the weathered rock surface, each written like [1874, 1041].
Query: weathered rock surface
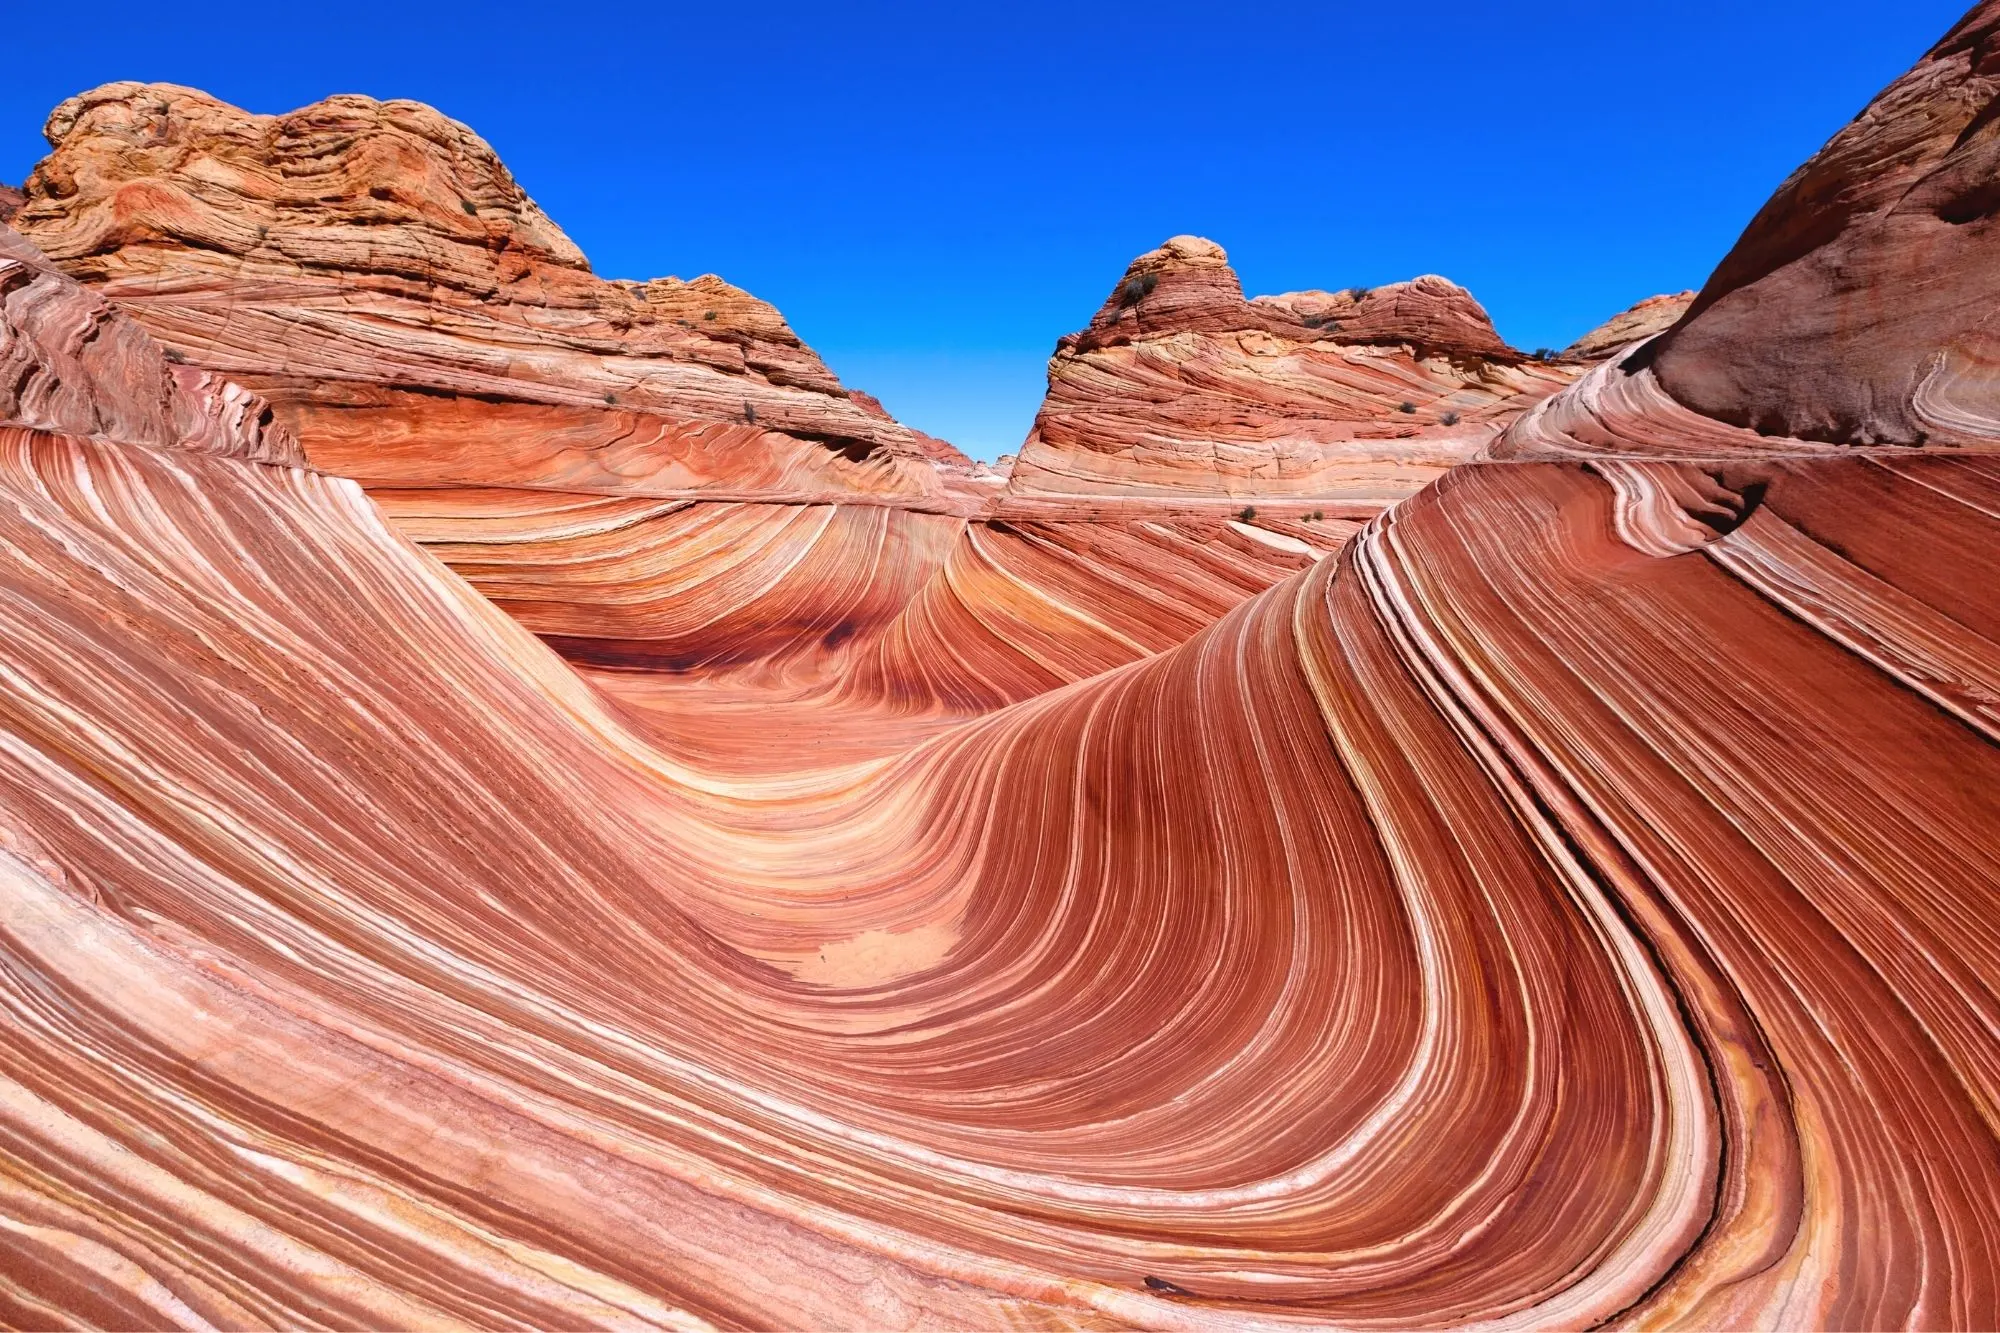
[1181, 388]
[71, 363]
[1858, 306]
[1573, 905]
[373, 270]
[1655, 314]
[10, 201]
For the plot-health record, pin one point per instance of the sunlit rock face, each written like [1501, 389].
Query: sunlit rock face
[1655, 314]
[1570, 904]
[1181, 388]
[375, 271]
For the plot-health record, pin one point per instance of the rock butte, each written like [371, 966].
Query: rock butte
[899, 901]
[1182, 388]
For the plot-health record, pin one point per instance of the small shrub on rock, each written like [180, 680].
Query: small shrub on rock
[1406, 407]
[1134, 290]
[1247, 514]
[1448, 419]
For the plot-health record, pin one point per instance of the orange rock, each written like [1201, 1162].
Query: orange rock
[374, 270]
[1570, 905]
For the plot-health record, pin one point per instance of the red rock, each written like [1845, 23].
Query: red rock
[10, 201]
[1833, 318]
[1655, 314]
[73, 364]
[1571, 906]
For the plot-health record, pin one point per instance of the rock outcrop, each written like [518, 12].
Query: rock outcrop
[1858, 306]
[72, 364]
[10, 202]
[1181, 388]
[1571, 905]
[1655, 314]
[373, 270]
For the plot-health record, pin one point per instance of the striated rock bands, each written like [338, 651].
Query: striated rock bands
[73, 364]
[1565, 899]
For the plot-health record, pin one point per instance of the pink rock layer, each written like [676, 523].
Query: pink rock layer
[1570, 905]
[1182, 388]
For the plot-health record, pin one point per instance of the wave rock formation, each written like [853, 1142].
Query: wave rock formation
[759, 880]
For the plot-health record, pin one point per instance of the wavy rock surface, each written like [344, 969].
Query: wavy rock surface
[1573, 905]
[375, 272]
[71, 363]
[1182, 388]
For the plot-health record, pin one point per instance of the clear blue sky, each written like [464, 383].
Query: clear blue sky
[933, 194]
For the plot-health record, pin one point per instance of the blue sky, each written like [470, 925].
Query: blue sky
[934, 194]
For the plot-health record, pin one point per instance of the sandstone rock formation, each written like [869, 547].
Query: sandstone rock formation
[1570, 906]
[10, 201]
[1857, 307]
[1655, 314]
[1180, 388]
[373, 270]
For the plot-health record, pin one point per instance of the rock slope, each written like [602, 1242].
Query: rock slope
[1570, 906]
[1655, 314]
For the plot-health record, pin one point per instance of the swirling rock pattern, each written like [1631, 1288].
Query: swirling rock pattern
[1570, 904]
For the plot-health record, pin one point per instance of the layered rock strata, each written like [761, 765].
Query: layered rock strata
[1181, 388]
[1572, 905]
[375, 272]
